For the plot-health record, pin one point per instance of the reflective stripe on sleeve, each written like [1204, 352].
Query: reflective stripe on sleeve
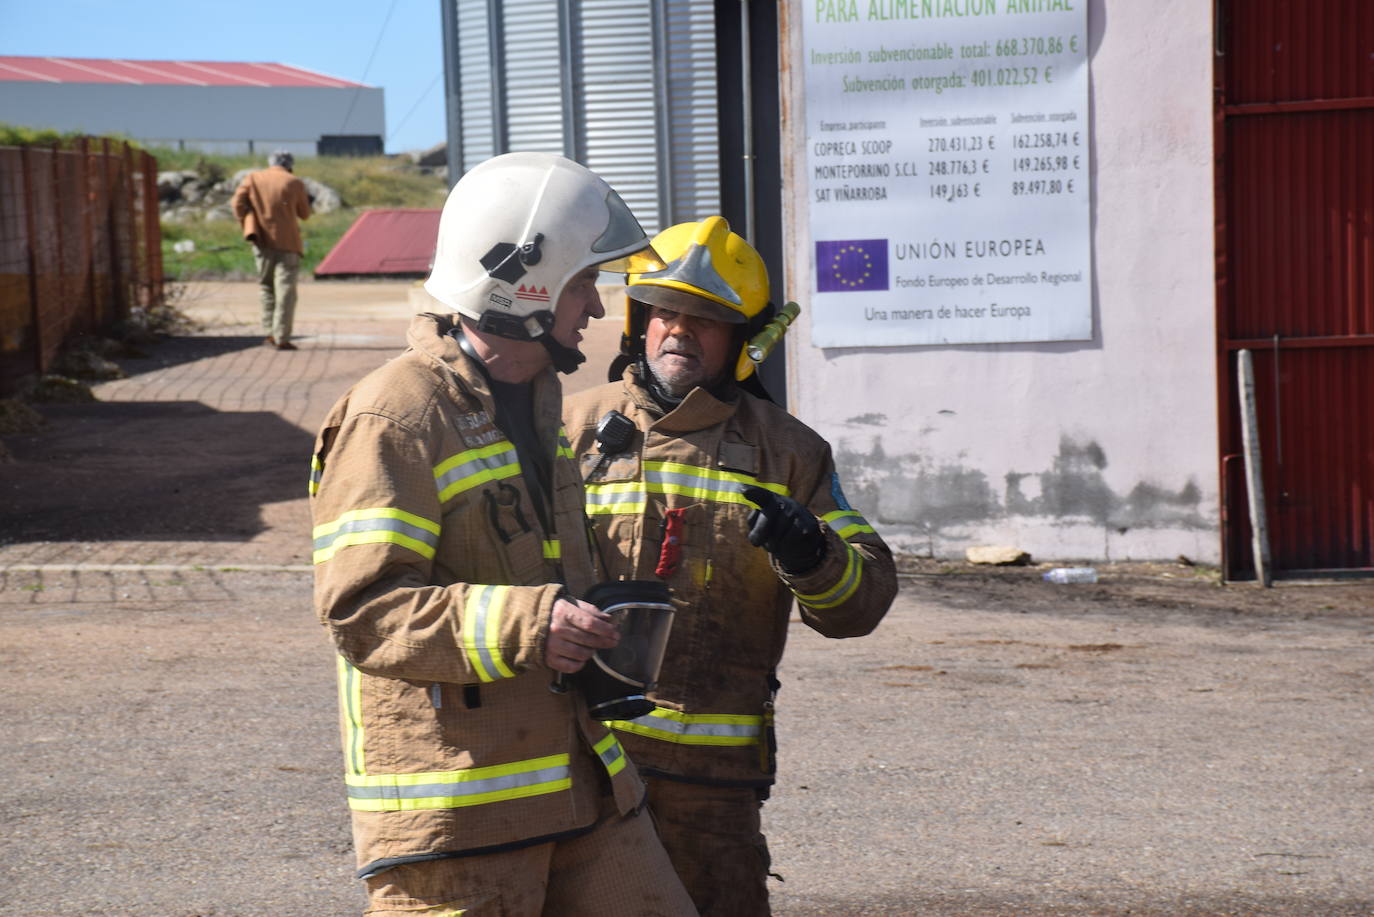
[611, 754]
[316, 472]
[376, 526]
[847, 522]
[841, 591]
[482, 631]
[553, 549]
[565, 449]
[456, 789]
[472, 467]
[629, 498]
[694, 729]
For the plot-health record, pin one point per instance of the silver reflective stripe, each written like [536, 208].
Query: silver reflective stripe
[381, 524]
[663, 724]
[597, 497]
[497, 465]
[490, 665]
[503, 783]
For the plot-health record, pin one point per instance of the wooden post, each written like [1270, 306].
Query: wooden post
[1254, 477]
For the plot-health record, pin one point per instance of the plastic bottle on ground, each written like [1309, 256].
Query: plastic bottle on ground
[1071, 575]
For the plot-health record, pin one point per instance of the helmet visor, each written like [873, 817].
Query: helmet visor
[639, 262]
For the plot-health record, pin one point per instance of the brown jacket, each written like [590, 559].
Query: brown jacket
[436, 578]
[268, 204]
[715, 693]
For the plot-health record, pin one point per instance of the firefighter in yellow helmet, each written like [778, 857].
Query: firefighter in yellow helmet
[694, 477]
[450, 555]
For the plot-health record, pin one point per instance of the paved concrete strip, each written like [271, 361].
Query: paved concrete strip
[162, 568]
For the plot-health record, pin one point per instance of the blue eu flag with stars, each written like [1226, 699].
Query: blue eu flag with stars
[851, 265]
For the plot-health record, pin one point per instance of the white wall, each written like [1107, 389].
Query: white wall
[1105, 449]
[212, 118]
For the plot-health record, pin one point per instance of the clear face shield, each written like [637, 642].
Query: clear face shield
[616, 680]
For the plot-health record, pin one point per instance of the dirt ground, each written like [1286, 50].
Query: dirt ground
[1153, 744]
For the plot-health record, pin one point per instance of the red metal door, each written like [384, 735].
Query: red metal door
[1295, 274]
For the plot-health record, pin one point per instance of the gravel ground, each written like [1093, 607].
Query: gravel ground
[1154, 744]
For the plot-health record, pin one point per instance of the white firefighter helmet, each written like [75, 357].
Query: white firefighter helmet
[515, 229]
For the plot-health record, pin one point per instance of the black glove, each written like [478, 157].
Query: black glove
[786, 529]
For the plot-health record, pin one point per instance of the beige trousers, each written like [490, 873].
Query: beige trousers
[277, 271]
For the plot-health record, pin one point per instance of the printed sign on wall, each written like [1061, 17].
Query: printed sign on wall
[947, 161]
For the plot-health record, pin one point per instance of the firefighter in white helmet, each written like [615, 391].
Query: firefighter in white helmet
[694, 477]
[450, 549]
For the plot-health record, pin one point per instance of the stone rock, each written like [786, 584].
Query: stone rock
[999, 555]
[436, 155]
[323, 199]
[169, 184]
[219, 213]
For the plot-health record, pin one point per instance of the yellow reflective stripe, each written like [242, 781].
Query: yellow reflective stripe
[622, 498]
[695, 482]
[351, 712]
[553, 549]
[472, 467]
[841, 591]
[564, 447]
[611, 754]
[694, 729]
[482, 631]
[381, 525]
[316, 472]
[456, 789]
[847, 523]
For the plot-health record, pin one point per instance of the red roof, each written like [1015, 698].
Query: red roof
[384, 243]
[161, 72]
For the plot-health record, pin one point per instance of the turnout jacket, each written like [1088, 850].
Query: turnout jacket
[669, 507]
[435, 574]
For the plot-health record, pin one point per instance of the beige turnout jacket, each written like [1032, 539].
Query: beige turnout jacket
[435, 575]
[680, 478]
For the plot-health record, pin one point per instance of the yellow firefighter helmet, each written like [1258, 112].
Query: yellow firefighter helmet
[711, 273]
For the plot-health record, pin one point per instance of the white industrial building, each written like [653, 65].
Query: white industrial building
[214, 106]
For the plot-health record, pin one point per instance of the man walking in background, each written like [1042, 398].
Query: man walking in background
[267, 204]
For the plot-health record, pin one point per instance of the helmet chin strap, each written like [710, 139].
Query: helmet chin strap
[565, 359]
[538, 328]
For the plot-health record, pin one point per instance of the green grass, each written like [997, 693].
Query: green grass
[363, 183]
[221, 252]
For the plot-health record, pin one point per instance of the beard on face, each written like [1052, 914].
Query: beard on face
[673, 374]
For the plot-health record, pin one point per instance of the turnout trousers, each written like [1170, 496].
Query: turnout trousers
[615, 870]
[712, 835]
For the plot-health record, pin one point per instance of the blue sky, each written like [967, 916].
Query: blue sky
[337, 37]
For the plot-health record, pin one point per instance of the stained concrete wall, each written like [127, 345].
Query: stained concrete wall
[1104, 449]
[220, 119]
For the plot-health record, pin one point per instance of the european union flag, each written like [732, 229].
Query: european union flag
[851, 265]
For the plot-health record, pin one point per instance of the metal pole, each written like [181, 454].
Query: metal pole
[1254, 478]
[453, 90]
[663, 128]
[570, 60]
[496, 42]
[747, 81]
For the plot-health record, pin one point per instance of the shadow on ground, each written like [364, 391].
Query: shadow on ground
[149, 471]
[174, 351]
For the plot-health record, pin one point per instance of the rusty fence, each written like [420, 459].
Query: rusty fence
[80, 246]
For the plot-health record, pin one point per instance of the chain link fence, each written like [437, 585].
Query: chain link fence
[80, 246]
